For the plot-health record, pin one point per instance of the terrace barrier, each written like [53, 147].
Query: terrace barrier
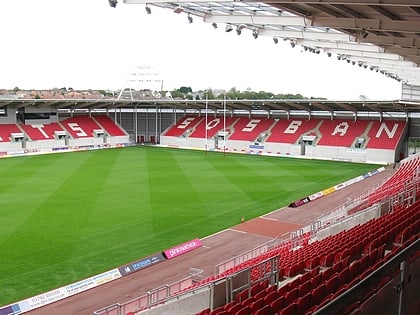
[252, 253]
[154, 296]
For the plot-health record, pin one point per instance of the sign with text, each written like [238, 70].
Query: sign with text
[141, 264]
[182, 249]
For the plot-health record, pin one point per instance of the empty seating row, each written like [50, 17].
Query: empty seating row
[6, 131]
[213, 126]
[330, 266]
[407, 171]
[343, 133]
[106, 123]
[77, 127]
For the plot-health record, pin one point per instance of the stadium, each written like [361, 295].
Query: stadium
[337, 235]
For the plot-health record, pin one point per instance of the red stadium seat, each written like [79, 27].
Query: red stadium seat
[265, 310]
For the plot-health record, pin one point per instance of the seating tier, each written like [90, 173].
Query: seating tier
[41, 131]
[248, 129]
[6, 130]
[317, 273]
[184, 124]
[341, 132]
[385, 134]
[214, 125]
[80, 126]
[109, 125]
[289, 131]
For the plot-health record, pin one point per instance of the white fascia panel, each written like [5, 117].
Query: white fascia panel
[258, 20]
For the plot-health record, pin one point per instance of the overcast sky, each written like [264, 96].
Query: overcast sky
[86, 44]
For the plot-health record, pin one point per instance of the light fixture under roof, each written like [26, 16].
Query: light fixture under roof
[228, 28]
[275, 40]
[112, 3]
[190, 18]
[214, 24]
[239, 29]
[148, 9]
[255, 33]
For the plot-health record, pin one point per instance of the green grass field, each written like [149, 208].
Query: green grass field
[67, 216]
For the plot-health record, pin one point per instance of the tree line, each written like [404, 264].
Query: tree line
[185, 92]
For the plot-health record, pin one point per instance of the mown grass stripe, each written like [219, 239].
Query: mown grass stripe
[64, 217]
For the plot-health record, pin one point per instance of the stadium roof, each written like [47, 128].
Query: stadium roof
[383, 35]
[269, 106]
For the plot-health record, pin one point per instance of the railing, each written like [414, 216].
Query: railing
[153, 297]
[250, 254]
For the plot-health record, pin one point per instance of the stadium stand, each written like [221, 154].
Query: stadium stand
[289, 131]
[338, 132]
[407, 171]
[341, 132]
[358, 252]
[183, 125]
[249, 129]
[80, 126]
[6, 130]
[215, 124]
[109, 125]
[385, 134]
[41, 131]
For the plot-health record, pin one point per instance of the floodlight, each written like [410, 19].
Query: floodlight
[113, 3]
[214, 24]
[329, 54]
[228, 28]
[148, 10]
[292, 43]
[238, 30]
[190, 19]
[275, 39]
[255, 33]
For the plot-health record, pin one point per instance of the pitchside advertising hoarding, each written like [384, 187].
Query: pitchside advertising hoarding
[60, 293]
[335, 188]
[182, 248]
[141, 264]
[92, 282]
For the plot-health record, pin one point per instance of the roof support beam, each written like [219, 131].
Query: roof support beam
[411, 27]
[392, 40]
[349, 2]
[352, 46]
[368, 24]
[259, 20]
